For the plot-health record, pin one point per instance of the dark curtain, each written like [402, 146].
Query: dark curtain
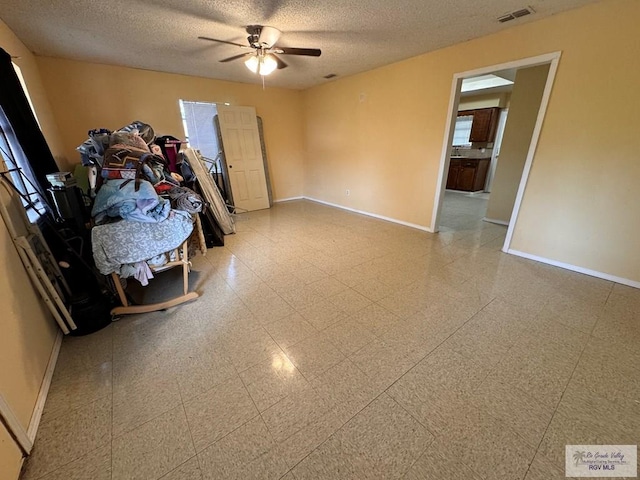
[17, 110]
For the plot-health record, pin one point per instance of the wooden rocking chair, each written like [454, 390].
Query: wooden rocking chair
[183, 260]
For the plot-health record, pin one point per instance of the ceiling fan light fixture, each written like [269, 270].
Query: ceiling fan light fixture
[261, 64]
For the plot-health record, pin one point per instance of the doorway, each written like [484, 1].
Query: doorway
[495, 155]
[460, 210]
[479, 125]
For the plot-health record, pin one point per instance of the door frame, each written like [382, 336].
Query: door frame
[553, 60]
[502, 122]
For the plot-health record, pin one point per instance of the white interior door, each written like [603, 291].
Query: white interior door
[241, 143]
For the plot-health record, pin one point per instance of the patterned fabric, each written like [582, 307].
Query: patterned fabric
[131, 139]
[92, 149]
[119, 198]
[124, 161]
[143, 129]
[129, 242]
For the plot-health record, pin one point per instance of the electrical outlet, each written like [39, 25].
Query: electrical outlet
[347, 192]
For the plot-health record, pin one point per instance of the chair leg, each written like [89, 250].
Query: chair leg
[185, 268]
[123, 297]
[126, 308]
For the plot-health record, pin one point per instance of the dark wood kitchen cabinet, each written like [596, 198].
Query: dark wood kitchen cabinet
[485, 124]
[467, 174]
[454, 172]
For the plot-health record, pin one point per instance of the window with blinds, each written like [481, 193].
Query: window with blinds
[463, 131]
[197, 118]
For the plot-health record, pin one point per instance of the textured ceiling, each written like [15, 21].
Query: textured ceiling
[162, 35]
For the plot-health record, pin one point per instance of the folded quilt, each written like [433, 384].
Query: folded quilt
[123, 242]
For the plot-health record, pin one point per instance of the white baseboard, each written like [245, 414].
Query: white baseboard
[574, 268]
[374, 215]
[44, 389]
[493, 220]
[288, 199]
[22, 460]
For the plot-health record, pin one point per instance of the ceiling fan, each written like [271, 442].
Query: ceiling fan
[262, 41]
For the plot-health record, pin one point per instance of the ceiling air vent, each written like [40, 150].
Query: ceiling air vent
[331, 75]
[516, 14]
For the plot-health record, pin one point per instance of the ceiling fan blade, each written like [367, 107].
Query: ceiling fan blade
[281, 64]
[310, 52]
[223, 41]
[235, 57]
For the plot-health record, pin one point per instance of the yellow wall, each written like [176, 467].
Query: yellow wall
[580, 206]
[375, 135]
[523, 112]
[28, 331]
[86, 96]
[10, 456]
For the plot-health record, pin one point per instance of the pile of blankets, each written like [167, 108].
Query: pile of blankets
[119, 199]
[140, 202]
[140, 210]
[134, 177]
[128, 248]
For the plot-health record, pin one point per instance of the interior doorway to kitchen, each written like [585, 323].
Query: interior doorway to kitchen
[482, 176]
[479, 125]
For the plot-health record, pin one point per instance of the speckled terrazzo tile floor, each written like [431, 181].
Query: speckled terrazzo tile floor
[331, 345]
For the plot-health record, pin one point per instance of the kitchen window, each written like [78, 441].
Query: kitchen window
[462, 131]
